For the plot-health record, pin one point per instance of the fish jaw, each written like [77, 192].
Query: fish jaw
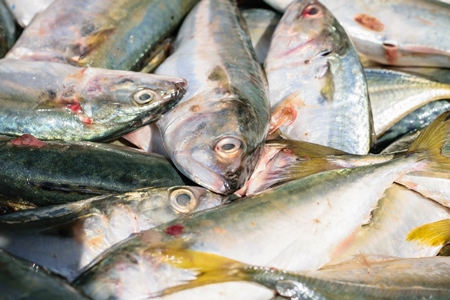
[213, 146]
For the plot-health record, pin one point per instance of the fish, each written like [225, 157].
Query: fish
[119, 35]
[316, 78]
[395, 94]
[21, 279]
[8, 31]
[394, 217]
[400, 32]
[25, 10]
[416, 120]
[65, 238]
[215, 134]
[47, 173]
[261, 24]
[54, 101]
[286, 227]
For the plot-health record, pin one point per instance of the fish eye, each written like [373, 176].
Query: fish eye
[144, 96]
[183, 200]
[312, 11]
[228, 146]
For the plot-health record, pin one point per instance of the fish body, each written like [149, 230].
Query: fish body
[20, 279]
[215, 134]
[25, 10]
[395, 216]
[395, 94]
[106, 34]
[59, 172]
[54, 101]
[65, 238]
[313, 70]
[261, 24]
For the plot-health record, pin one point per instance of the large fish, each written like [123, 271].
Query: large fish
[54, 101]
[65, 238]
[215, 134]
[20, 279]
[315, 76]
[103, 33]
[400, 32]
[300, 225]
[40, 173]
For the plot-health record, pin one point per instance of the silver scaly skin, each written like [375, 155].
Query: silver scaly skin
[65, 238]
[313, 70]
[55, 101]
[215, 134]
[119, 35]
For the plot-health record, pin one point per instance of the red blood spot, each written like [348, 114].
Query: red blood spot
[391, 53]
[369, 22]
[175, 230]
[27, 140]
[74, 107]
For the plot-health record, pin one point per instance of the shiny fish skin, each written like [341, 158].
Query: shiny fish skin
[395, 94]
[215, 134]
[25, 10]
[55, 101]
[20, 279]
[390, 223]
[83, 170]
[65, 238]
[261, 24]
[312, 68]
[103, 33]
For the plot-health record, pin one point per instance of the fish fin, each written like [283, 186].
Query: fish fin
[302, 148]
[432, 141]
[431, 234]
[284, 114]
[208, 268]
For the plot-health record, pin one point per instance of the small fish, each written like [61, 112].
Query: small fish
[55, 101]
[286, 227]
[315, 75]
[20, 279]
[65, 238]
[214, 136]
[46, 173]
[119, 35]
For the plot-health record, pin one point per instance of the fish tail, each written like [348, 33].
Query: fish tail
[431, 234]
[431, 142]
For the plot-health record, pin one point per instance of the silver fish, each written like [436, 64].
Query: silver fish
[315, 74]
[55, 101]
[65, 238]
[215, 134]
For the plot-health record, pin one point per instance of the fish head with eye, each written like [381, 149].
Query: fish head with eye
[217, 146]
[189, 199]
[310, 32]
[128, 98]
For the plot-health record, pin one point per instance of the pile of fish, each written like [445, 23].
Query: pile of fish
[214, 149]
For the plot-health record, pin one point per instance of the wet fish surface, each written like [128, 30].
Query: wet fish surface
[65, 238]
[106, 34]
[215, 134]
[315, 73]
[46, 173]
[55, 101]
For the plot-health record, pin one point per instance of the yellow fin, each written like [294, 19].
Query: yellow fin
[432, 140]
[431, 234]
[209, 268]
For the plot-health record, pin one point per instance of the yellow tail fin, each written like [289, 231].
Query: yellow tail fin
[431, 234]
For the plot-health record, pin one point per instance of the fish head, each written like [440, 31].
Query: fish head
[309, 31]
[123, 98]
[212, 143]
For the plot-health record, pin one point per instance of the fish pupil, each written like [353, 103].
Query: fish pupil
[311, 11]
[183, 199]
[228, 147]
[144, 97]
